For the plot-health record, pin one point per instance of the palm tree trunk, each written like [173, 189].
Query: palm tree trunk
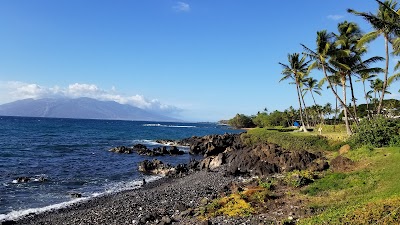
[305, 111]
[366, 99]
[352, 97]
[336, 110]
[336, 95]
[346, 119]
[386, 74]
[301, 111]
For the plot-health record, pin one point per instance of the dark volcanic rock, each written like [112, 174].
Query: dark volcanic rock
[23, 179]
[143, 150]
[154, 167]
[121, 149]
[268, 159]
[212, 145]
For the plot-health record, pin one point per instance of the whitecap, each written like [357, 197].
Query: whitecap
[13, 215]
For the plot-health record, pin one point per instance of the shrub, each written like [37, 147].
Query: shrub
[378, 132]
[232, 205]
[241, 121]
[286, 140]
[298, 178]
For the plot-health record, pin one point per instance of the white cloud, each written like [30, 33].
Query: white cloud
[335, 17]
[181, 7]
[14, 90]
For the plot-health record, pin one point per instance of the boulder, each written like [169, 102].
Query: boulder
[341, 164]
[344, 149]
[212, 145]
[173, 150]
[216, 161]
[157, 167]
[76, 195]
[154, 167]
[121, 149]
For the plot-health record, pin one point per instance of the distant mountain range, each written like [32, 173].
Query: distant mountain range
[79, 108]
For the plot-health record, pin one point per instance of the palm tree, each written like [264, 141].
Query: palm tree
[351, 63]
[366, 77]
[296, 70]
[385, 23]
[326, 48]
[377, 88]
[311, 85]
[327, 109]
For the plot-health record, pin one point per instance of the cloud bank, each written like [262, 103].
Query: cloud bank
[181, 7]
[15, 90]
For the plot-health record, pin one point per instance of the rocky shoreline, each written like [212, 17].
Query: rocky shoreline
[179, 197]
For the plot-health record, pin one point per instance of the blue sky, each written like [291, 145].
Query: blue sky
[202, 60]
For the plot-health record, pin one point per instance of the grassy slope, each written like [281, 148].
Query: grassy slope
[368, 194]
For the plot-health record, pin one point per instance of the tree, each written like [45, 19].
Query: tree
[241, 121]
[296, 70]
[366, 77]
[385, 23]
[325, 49]
[312, 86]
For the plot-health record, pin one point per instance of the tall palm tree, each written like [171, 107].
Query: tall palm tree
[296, 70]
[351, 64]
[366, 77]
[326, 48]
[385, 23]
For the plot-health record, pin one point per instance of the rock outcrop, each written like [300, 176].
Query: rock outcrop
[263, 159]
[157, 167]
[143, 150]
[212, 145]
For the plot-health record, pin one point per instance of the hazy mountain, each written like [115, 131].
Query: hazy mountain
[80, 108]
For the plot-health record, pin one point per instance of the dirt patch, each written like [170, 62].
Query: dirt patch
[342, 164]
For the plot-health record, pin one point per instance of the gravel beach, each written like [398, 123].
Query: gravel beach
[165, 201]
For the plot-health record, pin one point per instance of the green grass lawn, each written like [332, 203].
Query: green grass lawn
[369, 194]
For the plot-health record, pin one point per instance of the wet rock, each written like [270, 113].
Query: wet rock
[22, 179]
[76, 195]
[121, 149]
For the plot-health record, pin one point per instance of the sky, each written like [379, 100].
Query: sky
[197, 60]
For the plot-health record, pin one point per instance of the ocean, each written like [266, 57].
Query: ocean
[66, 156]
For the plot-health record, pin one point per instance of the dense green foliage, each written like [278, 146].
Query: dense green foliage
[377, 132]
[287, 140]
[275, 118]
[241, 121]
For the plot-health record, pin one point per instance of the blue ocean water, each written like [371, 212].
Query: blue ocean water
[72, 155]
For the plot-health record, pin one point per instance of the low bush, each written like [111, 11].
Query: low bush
[380, 212]
[378, 132]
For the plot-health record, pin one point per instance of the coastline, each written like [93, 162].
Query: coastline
[162, 201]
